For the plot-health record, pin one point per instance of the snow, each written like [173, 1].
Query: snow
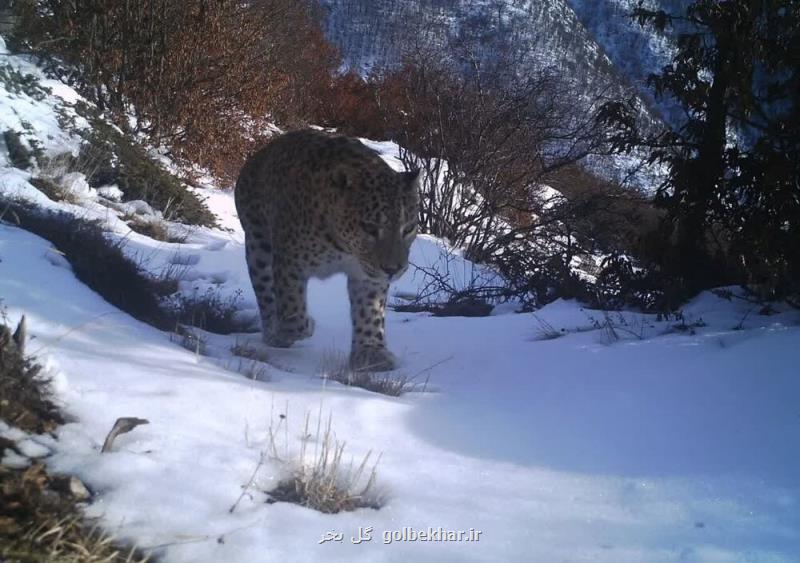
[552, 437]
[111, 192]
[37, 114]
[32, 449]
[14, 460]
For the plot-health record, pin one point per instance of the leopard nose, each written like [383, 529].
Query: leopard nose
[391, 270]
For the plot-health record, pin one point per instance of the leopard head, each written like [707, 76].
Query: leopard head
[382, 220]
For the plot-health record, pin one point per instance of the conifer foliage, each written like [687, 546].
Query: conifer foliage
[732, 196]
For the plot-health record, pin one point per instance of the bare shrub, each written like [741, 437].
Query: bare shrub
[210, 310]
[504, 174]
[484, 137]
[353, 107]
[452, 287]
[202, 77]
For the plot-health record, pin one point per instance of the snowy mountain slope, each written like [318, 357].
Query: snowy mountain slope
[636, 51]
[536, 34]
[556, 440]
[632, 48]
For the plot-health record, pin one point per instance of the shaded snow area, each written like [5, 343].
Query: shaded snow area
[562, 435]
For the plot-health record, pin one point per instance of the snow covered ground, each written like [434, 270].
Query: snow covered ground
[554, 438]
[671, 447]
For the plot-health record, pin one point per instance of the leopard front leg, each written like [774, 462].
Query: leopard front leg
[292, 320]
[368, 311]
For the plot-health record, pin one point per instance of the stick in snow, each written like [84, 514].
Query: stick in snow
[121, 426]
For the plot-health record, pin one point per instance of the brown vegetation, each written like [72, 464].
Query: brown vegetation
[201, 77]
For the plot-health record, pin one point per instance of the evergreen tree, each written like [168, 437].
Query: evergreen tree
[732, 194]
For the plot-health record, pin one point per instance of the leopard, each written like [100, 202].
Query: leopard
[313, 204]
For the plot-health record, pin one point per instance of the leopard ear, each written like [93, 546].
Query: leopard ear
[413, 178]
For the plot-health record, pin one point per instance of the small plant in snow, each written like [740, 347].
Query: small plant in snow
[209, 310]
[322, 480]
[18, 154]
[318, 478]
[19, 83]
[188, 339]
[249, 351]
[743, 319]
[334, 366]
[614, 325]
[155, 229]
[251, 369]
[546, 331]
[685, 325]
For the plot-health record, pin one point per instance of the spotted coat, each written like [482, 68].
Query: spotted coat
[312, 205]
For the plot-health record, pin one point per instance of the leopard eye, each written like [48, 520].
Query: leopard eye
[371, 229]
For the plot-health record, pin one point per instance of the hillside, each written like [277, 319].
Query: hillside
[595, 44]
[563, 434]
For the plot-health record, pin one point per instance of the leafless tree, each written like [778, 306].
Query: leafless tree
[490, 142]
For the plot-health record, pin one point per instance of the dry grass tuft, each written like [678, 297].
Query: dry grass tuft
[249, 351]
[24, 398]
[335, 366]
[52, 189]
[67, 540]
[188, 339]
[324, 482]
[155, 229]
[546, 331]
[251, 369]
